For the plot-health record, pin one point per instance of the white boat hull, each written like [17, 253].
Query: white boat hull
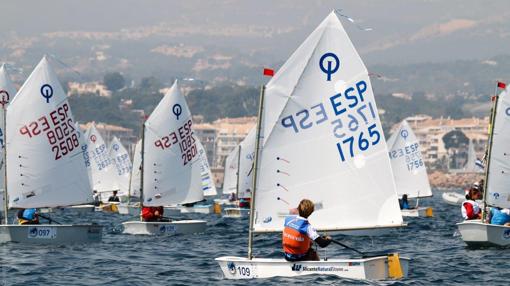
[201, 209]
[374, 268]
[475, 233]
[128, 210]
[418, 212]
[172, 211]
[51, 234]
[74, 209]
[236, 212]
[164, 228]
[453, 198]
[364, 232]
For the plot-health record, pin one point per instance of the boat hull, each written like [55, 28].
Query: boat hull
[51, 234]
[364, 232]
[418, 212]
[453, 198]
[80, 209]
[164, 228]
[374, 268]
[477, 234]
[128, 210]
[201, 209]
[236, 212]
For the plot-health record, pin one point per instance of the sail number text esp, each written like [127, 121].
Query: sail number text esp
[183, 137]
[58, 126]
[353, 120]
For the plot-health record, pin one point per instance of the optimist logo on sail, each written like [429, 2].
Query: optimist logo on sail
[47, 92]
[329, 64]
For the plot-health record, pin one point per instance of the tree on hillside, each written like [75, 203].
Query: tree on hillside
[114, 81]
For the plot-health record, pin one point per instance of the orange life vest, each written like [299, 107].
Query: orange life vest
[295, 238]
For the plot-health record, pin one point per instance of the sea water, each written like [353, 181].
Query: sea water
[438, 255]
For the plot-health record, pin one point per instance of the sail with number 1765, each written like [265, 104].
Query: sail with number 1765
[319, 137]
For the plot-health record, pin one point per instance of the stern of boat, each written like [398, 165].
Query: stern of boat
[391, 267]
[478, 234]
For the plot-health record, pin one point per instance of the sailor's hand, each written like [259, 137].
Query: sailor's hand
[327, 237]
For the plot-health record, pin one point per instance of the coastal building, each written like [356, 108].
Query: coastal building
[231, 131]
[431, 133]
[88, 87]
[220, 137]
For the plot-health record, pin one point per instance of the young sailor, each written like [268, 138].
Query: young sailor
[470, 208]
[152, 214]
[500, 216]
[28, 216]
[404, 203]
[114, 198]
[298, 235]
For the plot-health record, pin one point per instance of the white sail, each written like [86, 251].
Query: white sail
[84, 151]
[231, 169]
[103, 176]
[246, 164]
[323, 140]
[471, 164]
[499, 168]
[121, 166]
[45, 165]
[208, 186]
[7, 92]
[171, 164]
[409, 169]
[136, 171]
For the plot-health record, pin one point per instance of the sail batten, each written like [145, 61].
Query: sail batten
[323, 140]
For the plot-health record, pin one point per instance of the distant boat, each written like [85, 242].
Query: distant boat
[122, 166]
[409, 169]
[497, 180]
[319, 137]
[101, 166]
[240, 174]
[171, 170]
[45, 162]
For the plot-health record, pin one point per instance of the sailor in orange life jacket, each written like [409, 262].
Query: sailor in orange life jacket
[470, 208]
[298, 235]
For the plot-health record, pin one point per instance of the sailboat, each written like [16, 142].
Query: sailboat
[409, 169]
[243, 174]
[101, 167]
[122, 166]
[171, 167]
[208, 187]
[131, 207]
[45, 166]
[319, 137]
[496, 192]
[7, 93]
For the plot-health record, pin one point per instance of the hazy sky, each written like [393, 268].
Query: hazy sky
[404, 30]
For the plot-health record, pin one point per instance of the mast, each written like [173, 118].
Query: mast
[238, 171]
[6, 203]
[141, 168]
[489, 151]
[255, 166]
